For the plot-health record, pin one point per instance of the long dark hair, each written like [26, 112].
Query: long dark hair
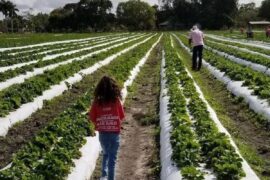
[107, 91]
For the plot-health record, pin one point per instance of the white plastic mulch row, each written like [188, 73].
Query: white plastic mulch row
[254, 66]
[168, 170]
[248, 43]
[255, 103]
[49, 43]
[240, 48]
[87, 48]
[208, 173]
[27, 109]
[37, 71]
[75, 44]
[250, 174]
[49, 57]
[85, 166]
[5, 68]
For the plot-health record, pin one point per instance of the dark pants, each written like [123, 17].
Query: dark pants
[197, 57]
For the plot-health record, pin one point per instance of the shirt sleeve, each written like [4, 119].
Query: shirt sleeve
[93, 113]
[120, 110]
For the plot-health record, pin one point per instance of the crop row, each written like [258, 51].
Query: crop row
[40, 39]
[215, 147]
[26, 52]
[36, 49]
[259, 38]
[186, 148]
[54, 49]
[239, 45]
[42, 56]
[52, 44]
[41, 53]
[256, 58]
[50, 154]
[257, 81]
[74, 53]
[244, 42]
[55, 61]
[13, 97]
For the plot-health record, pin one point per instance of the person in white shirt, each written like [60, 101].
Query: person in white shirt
[196, 38]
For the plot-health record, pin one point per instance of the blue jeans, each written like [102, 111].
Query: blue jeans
[110, 144]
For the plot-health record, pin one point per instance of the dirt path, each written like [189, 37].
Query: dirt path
[139, 151]
[138, 157]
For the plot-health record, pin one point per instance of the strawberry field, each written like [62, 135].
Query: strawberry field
[210, 124]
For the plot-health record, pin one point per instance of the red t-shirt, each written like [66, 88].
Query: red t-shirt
[107, 117]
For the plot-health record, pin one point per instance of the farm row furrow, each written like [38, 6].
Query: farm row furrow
[254, 66]
[28, 47]
[256, 81]
[240, 48]
[29, 96]
[250, 48]
[50, 155]
[248, 56]
[27, 51]
[19, 63]
[50, 48]
[176, 128]
[243, 42]
[218, 151]
[45, 51]
[240, 80]
[20, 74]
[83, 170]
[88, 48]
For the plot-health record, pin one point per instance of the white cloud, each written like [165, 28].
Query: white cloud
[47, 6]
[258, 2]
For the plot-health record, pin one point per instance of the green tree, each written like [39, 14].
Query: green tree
[58, 20]
[219, 13]
[210, 13]
[264, 10]
[93, 13]
[247, 12]
[9, 10]
[86, 14]
[136, 15]
[39, 22]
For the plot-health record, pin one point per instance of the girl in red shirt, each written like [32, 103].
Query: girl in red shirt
[107, 114]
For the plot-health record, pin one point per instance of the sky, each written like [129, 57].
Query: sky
[46, 6]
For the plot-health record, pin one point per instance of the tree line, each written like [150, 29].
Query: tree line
[97, 15]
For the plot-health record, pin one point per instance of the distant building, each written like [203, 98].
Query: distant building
[252, 24]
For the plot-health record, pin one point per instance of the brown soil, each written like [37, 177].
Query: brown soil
[23, 132]
[138, 145]
[138, 157]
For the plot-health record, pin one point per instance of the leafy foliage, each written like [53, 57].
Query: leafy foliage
[49, 155]
[264, 9]
[215, 147]
[136, 15]
[14, 96]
